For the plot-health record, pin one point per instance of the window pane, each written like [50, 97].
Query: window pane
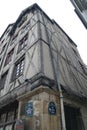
[2, 117]
[22, 42]
[18, 69]
[9, 57]
[2, 80]
[10, 116]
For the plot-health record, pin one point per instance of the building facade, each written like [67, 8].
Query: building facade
[43, 80]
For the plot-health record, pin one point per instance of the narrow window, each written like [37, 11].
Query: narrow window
[9, 57]
[22, 42]
[2, 80]
[18, 69]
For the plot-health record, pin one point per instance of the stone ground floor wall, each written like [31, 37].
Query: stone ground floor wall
[40, 109]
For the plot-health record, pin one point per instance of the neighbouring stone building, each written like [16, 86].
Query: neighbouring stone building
[43, 80]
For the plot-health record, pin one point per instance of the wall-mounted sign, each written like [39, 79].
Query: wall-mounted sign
[19, 125]
[52, 108]
[29, 109]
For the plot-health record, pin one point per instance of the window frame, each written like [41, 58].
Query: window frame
[12, 107]
[18, 68]
[9, 57]
[3, 80]
[22, 42]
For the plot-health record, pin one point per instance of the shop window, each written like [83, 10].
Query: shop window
[2, 80]
[22, 42]
[73, 118]
[10, 115]
[9, 57]
[7, 116]
[2, 117]
[18, 69]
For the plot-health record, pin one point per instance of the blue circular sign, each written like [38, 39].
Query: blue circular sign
[52, 108]
[29, 109]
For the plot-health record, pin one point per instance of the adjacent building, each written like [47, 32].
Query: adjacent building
[43, 80]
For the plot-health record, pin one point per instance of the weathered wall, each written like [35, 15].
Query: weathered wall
[63, 52]
[41, 119]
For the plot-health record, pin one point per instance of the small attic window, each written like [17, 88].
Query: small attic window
[24, 18]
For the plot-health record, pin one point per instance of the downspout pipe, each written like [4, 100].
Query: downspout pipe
[63, 124]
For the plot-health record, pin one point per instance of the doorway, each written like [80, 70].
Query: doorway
[73, 118]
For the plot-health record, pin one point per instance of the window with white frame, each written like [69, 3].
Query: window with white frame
[18, 68]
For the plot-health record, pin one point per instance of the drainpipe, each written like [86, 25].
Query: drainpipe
[63, 125]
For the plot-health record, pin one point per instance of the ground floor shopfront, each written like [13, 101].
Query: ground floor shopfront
[40, 110]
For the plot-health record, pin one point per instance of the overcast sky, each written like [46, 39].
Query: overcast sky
[62, 11]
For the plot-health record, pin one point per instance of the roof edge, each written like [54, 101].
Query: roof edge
[6, 30]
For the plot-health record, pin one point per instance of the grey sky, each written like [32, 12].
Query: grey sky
[60, 10]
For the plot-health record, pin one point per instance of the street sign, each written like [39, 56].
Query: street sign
[29, 109]
[52, 108]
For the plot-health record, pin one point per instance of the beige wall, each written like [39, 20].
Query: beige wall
[41, 118]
